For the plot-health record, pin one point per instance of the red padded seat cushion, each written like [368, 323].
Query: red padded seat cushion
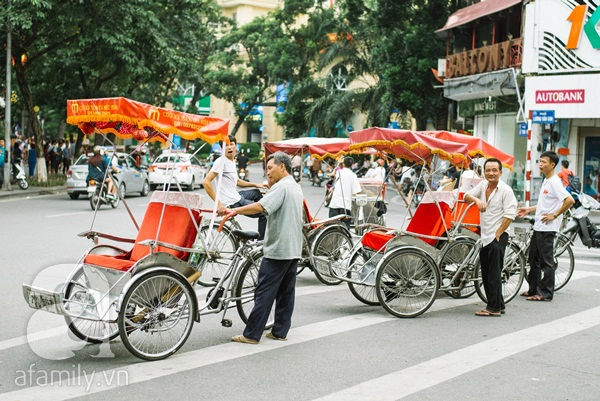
[427, 220]
[376, 240]
[177, 228]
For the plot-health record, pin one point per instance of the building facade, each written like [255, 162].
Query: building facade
[562, 66]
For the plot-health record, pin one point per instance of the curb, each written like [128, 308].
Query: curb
[37, 191]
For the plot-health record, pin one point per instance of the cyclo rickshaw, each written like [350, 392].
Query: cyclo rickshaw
[147, 294]
[404, 269]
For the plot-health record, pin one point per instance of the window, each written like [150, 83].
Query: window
[337, 79]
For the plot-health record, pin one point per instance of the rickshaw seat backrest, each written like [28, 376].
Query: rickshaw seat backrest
[429, 220]
[470, 220]
[177, 226]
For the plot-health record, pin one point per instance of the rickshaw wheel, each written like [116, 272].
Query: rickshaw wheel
[94, 332]
[226, 244]
[157, 315]
[246, 286]
[334, 243]
[513, 274]
[407, 282]
[451, 259]
[362, 265]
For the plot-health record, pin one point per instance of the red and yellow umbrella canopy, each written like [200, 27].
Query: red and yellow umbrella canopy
[409, 145]
[131, 119]
[477, 146]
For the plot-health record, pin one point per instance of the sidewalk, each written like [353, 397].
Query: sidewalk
[31, 191]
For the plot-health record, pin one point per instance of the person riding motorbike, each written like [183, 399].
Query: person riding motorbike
[97, 165]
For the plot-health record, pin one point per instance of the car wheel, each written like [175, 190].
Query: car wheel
[74, 196]
[192, 184]
[145, 189]
[153, 187]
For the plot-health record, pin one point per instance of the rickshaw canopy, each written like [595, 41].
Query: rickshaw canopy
[301, 145]
[131, 119]
[410, 145]
[477, 146]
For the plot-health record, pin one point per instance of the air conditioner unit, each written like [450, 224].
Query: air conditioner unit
[441, 67]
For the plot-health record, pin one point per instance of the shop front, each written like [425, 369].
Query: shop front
[563, 69]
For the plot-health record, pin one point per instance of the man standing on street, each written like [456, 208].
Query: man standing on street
[553, 201]
[282, 249]
[345, 185]
[229, 196]
[565, 173]
[498, 206]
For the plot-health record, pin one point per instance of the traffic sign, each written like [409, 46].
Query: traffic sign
[523, 129]
[542, 116]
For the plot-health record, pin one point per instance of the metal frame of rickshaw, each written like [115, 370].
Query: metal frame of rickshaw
[116, 283]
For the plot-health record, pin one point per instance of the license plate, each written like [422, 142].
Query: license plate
[38, 298]
[91, 190]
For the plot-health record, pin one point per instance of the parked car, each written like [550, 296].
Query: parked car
[187, 169]
[131, 178]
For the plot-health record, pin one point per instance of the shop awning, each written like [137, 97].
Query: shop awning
[476, 11]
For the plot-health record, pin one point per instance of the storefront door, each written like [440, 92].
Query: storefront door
[591, 165]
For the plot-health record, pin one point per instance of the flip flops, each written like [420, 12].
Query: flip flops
[487, 313]
[274, 337]
[243, 340]
[538, 298]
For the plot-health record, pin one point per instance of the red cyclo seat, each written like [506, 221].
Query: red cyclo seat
[376, 240]
[177, 229]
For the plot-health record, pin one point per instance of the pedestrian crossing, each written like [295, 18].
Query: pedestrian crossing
[390, 386]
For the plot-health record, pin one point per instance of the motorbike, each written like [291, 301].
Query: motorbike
[318, 178]
[580, 224]
[98, 194]
[418, 192]
[243, 174]
[19, 177]
[296, 173]
[406, 186]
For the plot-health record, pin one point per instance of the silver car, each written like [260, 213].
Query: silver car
[186, 169]
[131, 178]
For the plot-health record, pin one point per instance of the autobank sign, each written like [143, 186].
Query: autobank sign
[560, 96]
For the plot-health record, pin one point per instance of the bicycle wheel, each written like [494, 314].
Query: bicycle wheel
[157, 315]
[451, 259]
[362, 268]
[513, 274]
[564, 261]
[94, 332]
[407, 282]
[225, 244]
[246, 286]
[330, 251]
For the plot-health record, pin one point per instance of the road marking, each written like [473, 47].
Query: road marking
[181, 362]
[67, 214]
[201, 293]
[405, 382]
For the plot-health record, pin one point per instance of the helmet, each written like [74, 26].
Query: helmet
[97, 150]
[374, 164]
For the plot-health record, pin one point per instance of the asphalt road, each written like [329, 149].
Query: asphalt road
[338, 348]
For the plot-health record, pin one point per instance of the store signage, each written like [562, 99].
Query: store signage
[560, 96]
[484, 59]
[542, 116]
[577, 17]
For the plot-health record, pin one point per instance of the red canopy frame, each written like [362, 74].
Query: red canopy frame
[131, 119]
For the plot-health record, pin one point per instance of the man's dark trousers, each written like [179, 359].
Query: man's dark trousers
[492, 261]
[337, 211]
[248, 197]
[276, 283]
[541, 259]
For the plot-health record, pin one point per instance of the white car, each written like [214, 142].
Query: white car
[187, 170]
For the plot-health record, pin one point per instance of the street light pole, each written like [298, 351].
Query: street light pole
[7, 121]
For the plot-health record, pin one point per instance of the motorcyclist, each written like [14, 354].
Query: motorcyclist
[97, 165]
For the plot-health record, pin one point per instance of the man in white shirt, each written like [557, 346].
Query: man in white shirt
[378, 171]
[498, 206]
[229, 197]
[344, 187]
[553, 201]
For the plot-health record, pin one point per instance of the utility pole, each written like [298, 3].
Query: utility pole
[7, 122]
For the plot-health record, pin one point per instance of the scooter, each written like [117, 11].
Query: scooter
[318, 178]
[296, 173]
[243, 174]
[580, 223]
[19, 177]
[98, 193]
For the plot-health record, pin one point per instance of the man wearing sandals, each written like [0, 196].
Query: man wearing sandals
[498, 206]
[282, 248]
[553, 201]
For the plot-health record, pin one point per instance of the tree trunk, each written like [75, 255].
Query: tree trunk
[62, 127]
[40, 172]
